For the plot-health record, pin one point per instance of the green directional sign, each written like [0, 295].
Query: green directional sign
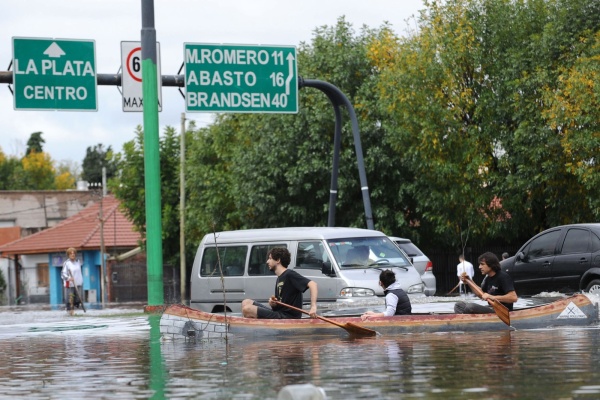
[240, 78]
[54, 74]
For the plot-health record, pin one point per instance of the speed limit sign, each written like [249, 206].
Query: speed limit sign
[131, 76]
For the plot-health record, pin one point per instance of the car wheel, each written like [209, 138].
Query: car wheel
[594, 287]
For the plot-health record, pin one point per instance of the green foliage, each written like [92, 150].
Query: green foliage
[95, 159]
[38, 172]
[466, 97]
[9, 170]
[251, 171]
[574, 114]
[35, 143]
[483, 123]
[129, 187]
[35, 171]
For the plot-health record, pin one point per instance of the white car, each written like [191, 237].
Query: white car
[421, 262]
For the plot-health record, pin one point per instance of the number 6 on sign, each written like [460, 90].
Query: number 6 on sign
[134, 67]
[131, 76]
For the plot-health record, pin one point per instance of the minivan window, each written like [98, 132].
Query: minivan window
[232, 258]
[310, 255]
[367, 252]
[258, 259]
[576, 241]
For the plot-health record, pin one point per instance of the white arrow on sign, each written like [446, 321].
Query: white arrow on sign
[54, 51]
[290, 59]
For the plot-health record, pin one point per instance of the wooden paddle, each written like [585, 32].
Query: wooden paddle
[453, 289]
[500, 309]
[351, 328]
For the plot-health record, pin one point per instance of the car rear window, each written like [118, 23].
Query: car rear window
[576, 241]
[595, 243]
[410, 249]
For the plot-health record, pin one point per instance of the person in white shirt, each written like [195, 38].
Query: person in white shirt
[464, 267]
[71, 276]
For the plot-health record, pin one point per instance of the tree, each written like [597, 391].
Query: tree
[574, 113]
[8, 167]
[464, 102]
[35, 171]
[482, 121]
[35, 143]
[38, 172]
[95, 159]
[129, 187]
[250, 171]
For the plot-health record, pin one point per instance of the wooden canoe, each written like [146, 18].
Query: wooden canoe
[179, 321]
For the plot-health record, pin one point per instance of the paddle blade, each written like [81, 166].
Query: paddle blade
[501, 311]
[358, 330]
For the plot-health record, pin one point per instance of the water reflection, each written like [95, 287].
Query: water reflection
[100, 363]
[486, 365]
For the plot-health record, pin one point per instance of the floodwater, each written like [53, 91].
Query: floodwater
[118, 354]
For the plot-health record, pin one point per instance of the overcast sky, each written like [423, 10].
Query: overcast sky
[108, 22]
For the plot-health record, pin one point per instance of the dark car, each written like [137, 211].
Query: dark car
[564, 259]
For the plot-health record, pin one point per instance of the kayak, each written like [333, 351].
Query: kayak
[179, 321]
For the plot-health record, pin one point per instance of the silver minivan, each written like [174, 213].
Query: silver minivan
[421, 262]
[344, 262]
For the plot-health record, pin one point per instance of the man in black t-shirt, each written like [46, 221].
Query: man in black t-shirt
[288, 289]
[497, 285]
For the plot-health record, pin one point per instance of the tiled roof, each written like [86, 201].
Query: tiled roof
[81, 231]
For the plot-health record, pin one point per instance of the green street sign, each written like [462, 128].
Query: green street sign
[51, 74]
[240, 78]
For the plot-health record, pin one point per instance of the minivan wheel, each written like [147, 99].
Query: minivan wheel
[594, 287]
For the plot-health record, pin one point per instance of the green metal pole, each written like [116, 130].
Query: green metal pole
[158, 371]
[151, 157]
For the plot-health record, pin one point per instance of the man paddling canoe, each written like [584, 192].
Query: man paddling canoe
[497, 285]
[288, 289]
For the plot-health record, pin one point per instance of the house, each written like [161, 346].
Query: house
[35, 210]
[35, 261]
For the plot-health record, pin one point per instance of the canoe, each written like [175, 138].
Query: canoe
[179, 321]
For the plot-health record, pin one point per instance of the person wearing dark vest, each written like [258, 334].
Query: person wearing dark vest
[396, 299]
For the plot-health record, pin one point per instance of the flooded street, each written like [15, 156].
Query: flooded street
[118, 353]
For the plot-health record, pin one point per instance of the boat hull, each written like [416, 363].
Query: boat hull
[179, 321]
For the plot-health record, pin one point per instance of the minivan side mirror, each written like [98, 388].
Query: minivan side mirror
[327, 268]
[521, 256]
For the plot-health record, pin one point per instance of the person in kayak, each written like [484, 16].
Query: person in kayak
[289, 287]
[497, 285]
[396, 299]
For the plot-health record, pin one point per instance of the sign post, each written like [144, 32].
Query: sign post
[131, 81]
[240, 78]
[51, 74]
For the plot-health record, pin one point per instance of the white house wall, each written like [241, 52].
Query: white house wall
[36, 210]
[29, 275]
